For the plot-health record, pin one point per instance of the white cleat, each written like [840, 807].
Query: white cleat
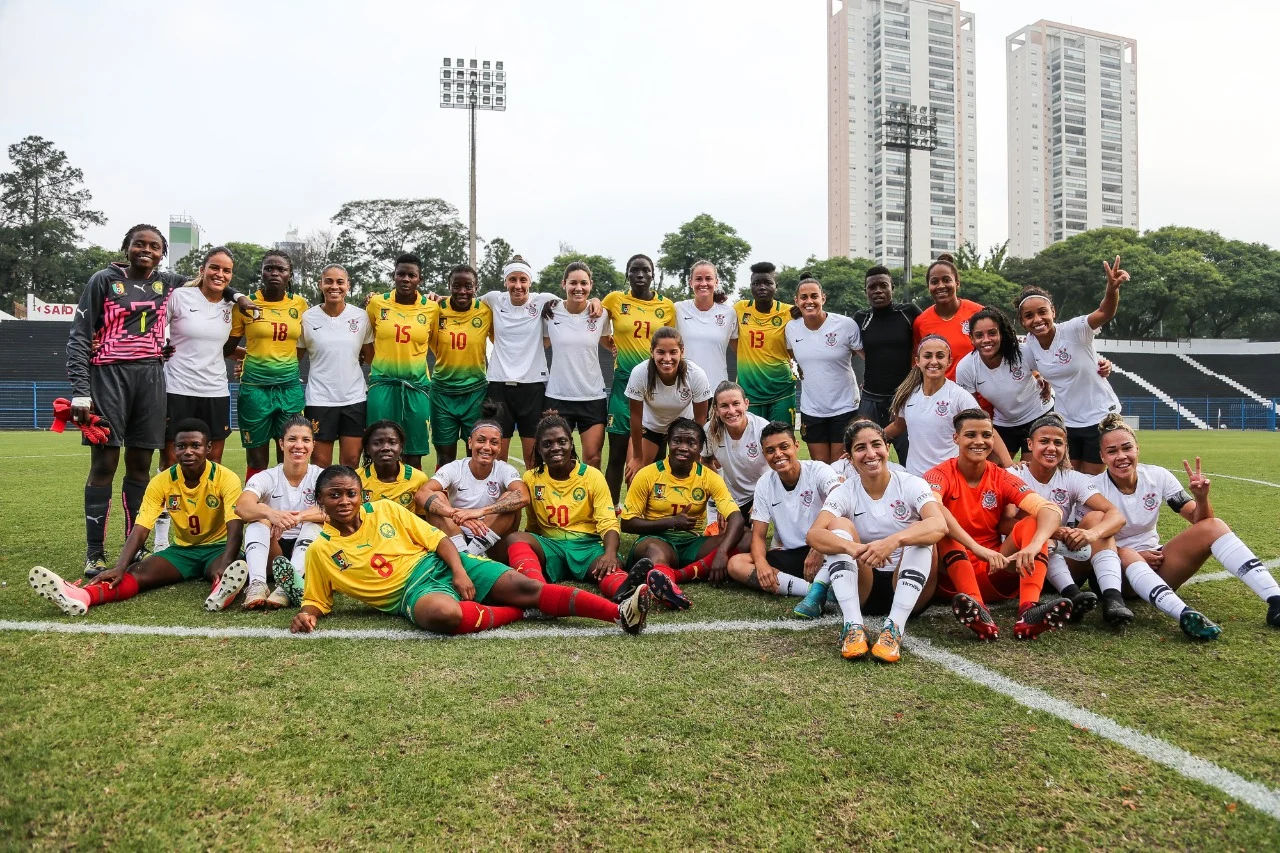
[228, 586]
[71, 600]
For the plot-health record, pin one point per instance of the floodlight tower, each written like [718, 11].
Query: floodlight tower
[473, 85]
[907, 129]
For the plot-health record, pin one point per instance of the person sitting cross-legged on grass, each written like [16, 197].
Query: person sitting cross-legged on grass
[383, 474]
[385, 556]
[200, 497]
[790, 495]
[667, 508]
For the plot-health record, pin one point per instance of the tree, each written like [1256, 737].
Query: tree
[702, 238]
[842, 280]
[969, 258]
[497, 254]
[373, 232]
[604, 274]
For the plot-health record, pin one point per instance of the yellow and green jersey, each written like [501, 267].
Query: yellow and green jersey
[634, 322]
[271, 341]
[402, 335]
[576, 508]
[657, 493]
[374, 563]
[199, 514]
[400, 491]
[764, 365]
[460, 345]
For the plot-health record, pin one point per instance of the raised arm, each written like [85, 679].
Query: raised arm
[1110, 297]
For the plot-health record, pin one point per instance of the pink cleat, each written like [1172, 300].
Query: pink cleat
[70, 599]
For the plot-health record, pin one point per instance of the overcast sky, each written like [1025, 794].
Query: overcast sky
[625, 119]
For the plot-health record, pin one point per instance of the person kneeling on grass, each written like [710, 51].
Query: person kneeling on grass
[667, 508]
[791, 496]
[886, 521]
[200, 497]
[389, 558]
[383, 475]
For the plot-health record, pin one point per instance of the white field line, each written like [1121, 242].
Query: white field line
[49, 456]
[1245, 480]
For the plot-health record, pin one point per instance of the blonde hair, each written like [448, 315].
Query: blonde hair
[1113, 422]
[715, 426]
[915, 378]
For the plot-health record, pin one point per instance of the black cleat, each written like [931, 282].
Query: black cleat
[1081, 603]
[1114, 611]
[636, 575]
[1273, 611]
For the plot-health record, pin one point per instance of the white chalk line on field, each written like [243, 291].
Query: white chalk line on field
[1244, 480]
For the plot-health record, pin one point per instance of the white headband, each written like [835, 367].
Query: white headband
[517, 266]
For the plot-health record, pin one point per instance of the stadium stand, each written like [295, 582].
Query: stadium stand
[1259, 373]
[1172, 375]
[33, 351]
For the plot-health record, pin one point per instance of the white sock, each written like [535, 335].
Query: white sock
[1149, 585]
[844, 583]
[1242, 563]
[1106, 568]
[792, 585]
[1059, 574]
[831, 559]
[257, 544]
[913, 573]
[161, 533]
[306, 535]
[823, 575]
[461, 542]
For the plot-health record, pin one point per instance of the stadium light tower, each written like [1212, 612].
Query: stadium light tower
[473, 85]
[906, 129]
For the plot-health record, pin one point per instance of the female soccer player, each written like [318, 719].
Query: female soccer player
[888, 345]
[278, 507]
[634, 315]
[575, 388]
[976, 565]
[478, 500]
[270, 383]
[337, 338]
[926, 404]
[734, 440]
[1065, 357]
[666, 387]
[948, 317]
[384, 475]
[199, 496]
[887, 520]
[114, 356]
[790, 495]
[764, 366]
[1090, 523]
[403, 322]
[1153, 570]
[996, 370]
[387, 557]
[823, 346]
[459, 386]
[666, 507]
[706, 323]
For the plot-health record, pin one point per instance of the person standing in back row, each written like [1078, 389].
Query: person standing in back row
[948, 316]
[764, 365]
[888, 347]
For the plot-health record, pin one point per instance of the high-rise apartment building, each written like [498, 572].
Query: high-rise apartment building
[184, 237]
[1073, 133]
[911, 52]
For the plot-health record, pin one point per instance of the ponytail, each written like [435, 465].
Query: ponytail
[715, 426]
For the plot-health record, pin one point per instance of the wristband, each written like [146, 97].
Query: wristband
[82, 402]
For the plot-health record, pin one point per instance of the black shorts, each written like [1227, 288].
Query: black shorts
[582, 415]
[789, 560]
[333, 422]
[519, 406]
[1084, 443]
[656, 438]
[214, 411]
[129, 395]
[876, 407]
[881, 597]
[1015, 438]
[825, 430]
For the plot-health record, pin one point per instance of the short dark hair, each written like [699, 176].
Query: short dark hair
[332, 473]
[775, 428]
[878, 269]
[973, 414]
[278, 253]
[460, 268]
[410, 258]
[368, 435]
[128, 237]
[763, 268]
[193, 425]
[692, 426]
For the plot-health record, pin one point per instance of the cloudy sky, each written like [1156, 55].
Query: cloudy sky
[625, 119]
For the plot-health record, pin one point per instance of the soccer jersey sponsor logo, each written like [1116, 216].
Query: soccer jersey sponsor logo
[806, 497]
[698, 494]
[493, 488]
[1061, 355]
[579, 494]
[212, 502]
[753, 450]
[1059, 497]
[942, 408]
[1149, 501]
[387, 531]
[989, 499]
[899, 510]
[340, 560]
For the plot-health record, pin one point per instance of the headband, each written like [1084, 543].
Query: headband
[933, 337]
[517, 266]
[1033, 296]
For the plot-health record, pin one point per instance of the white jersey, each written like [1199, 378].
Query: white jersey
[333, 344]
[1142, 508]
[706, 337]
[741, 460]
[517, 354]
[669, 401]
[1068, 490]
[575, 354]
[1012, 391]
[467, 492]
[896, 510]
[793, 510]
[929, 425]
[273, 488]
[198, 329]
[844, 467]
[828, 386]
[1070, 365]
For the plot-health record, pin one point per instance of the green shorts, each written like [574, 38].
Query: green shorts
[263, 409]
[686, 547]
[192, 560]
[453, 413]
[777, 410]
[569, 559]
[432, 574]
[619, 422]
[406, 403]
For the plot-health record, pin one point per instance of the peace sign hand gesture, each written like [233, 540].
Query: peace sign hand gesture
[1198, 483]
[1115, 275]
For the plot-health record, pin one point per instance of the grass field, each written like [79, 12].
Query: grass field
[697, 735]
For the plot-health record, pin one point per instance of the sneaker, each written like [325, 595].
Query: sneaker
[813, 603]
[974, 615]
[143, 553]
[1114, 611]
[853, 641]
[288, 580]
[666, 591]
[1197, 626]
[277, 599]
[70, 599]
[889, 647]
[255, 595]
[94, 566]
[1081, 603]
[228, 586]
[1035, 619]
[636, 575]
[1273, 611]
[634, 612]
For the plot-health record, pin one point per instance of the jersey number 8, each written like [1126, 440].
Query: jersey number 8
[381, 565]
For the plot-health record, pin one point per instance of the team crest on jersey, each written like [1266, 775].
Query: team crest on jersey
[1017, 373]
[173, 503]
[626, 309]
[157, 288]
[340, 560]
[1060, 497]
[746, 318]
[226, 315]
[753, 450]
[658, 490]
[212, 502]
[531, 309]
[806, 497]
[493, 488]
[831, 339]
[422, 319]
[1062, 356]
[899, 510]
[1149, 501]
[964, 327]
[476, 322]
[686, 394]
[942, 408]
[579, 494]
[658, 313]
[353, 326]
[308, 496]
[698, 494]
[387, 531]
[989, 499]
[444, 321]
[382, 313]
[537, 493]
[405, 499]
[777, 321]
[117, 288]
[719, 319]
[591, 324]
[366, 495]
